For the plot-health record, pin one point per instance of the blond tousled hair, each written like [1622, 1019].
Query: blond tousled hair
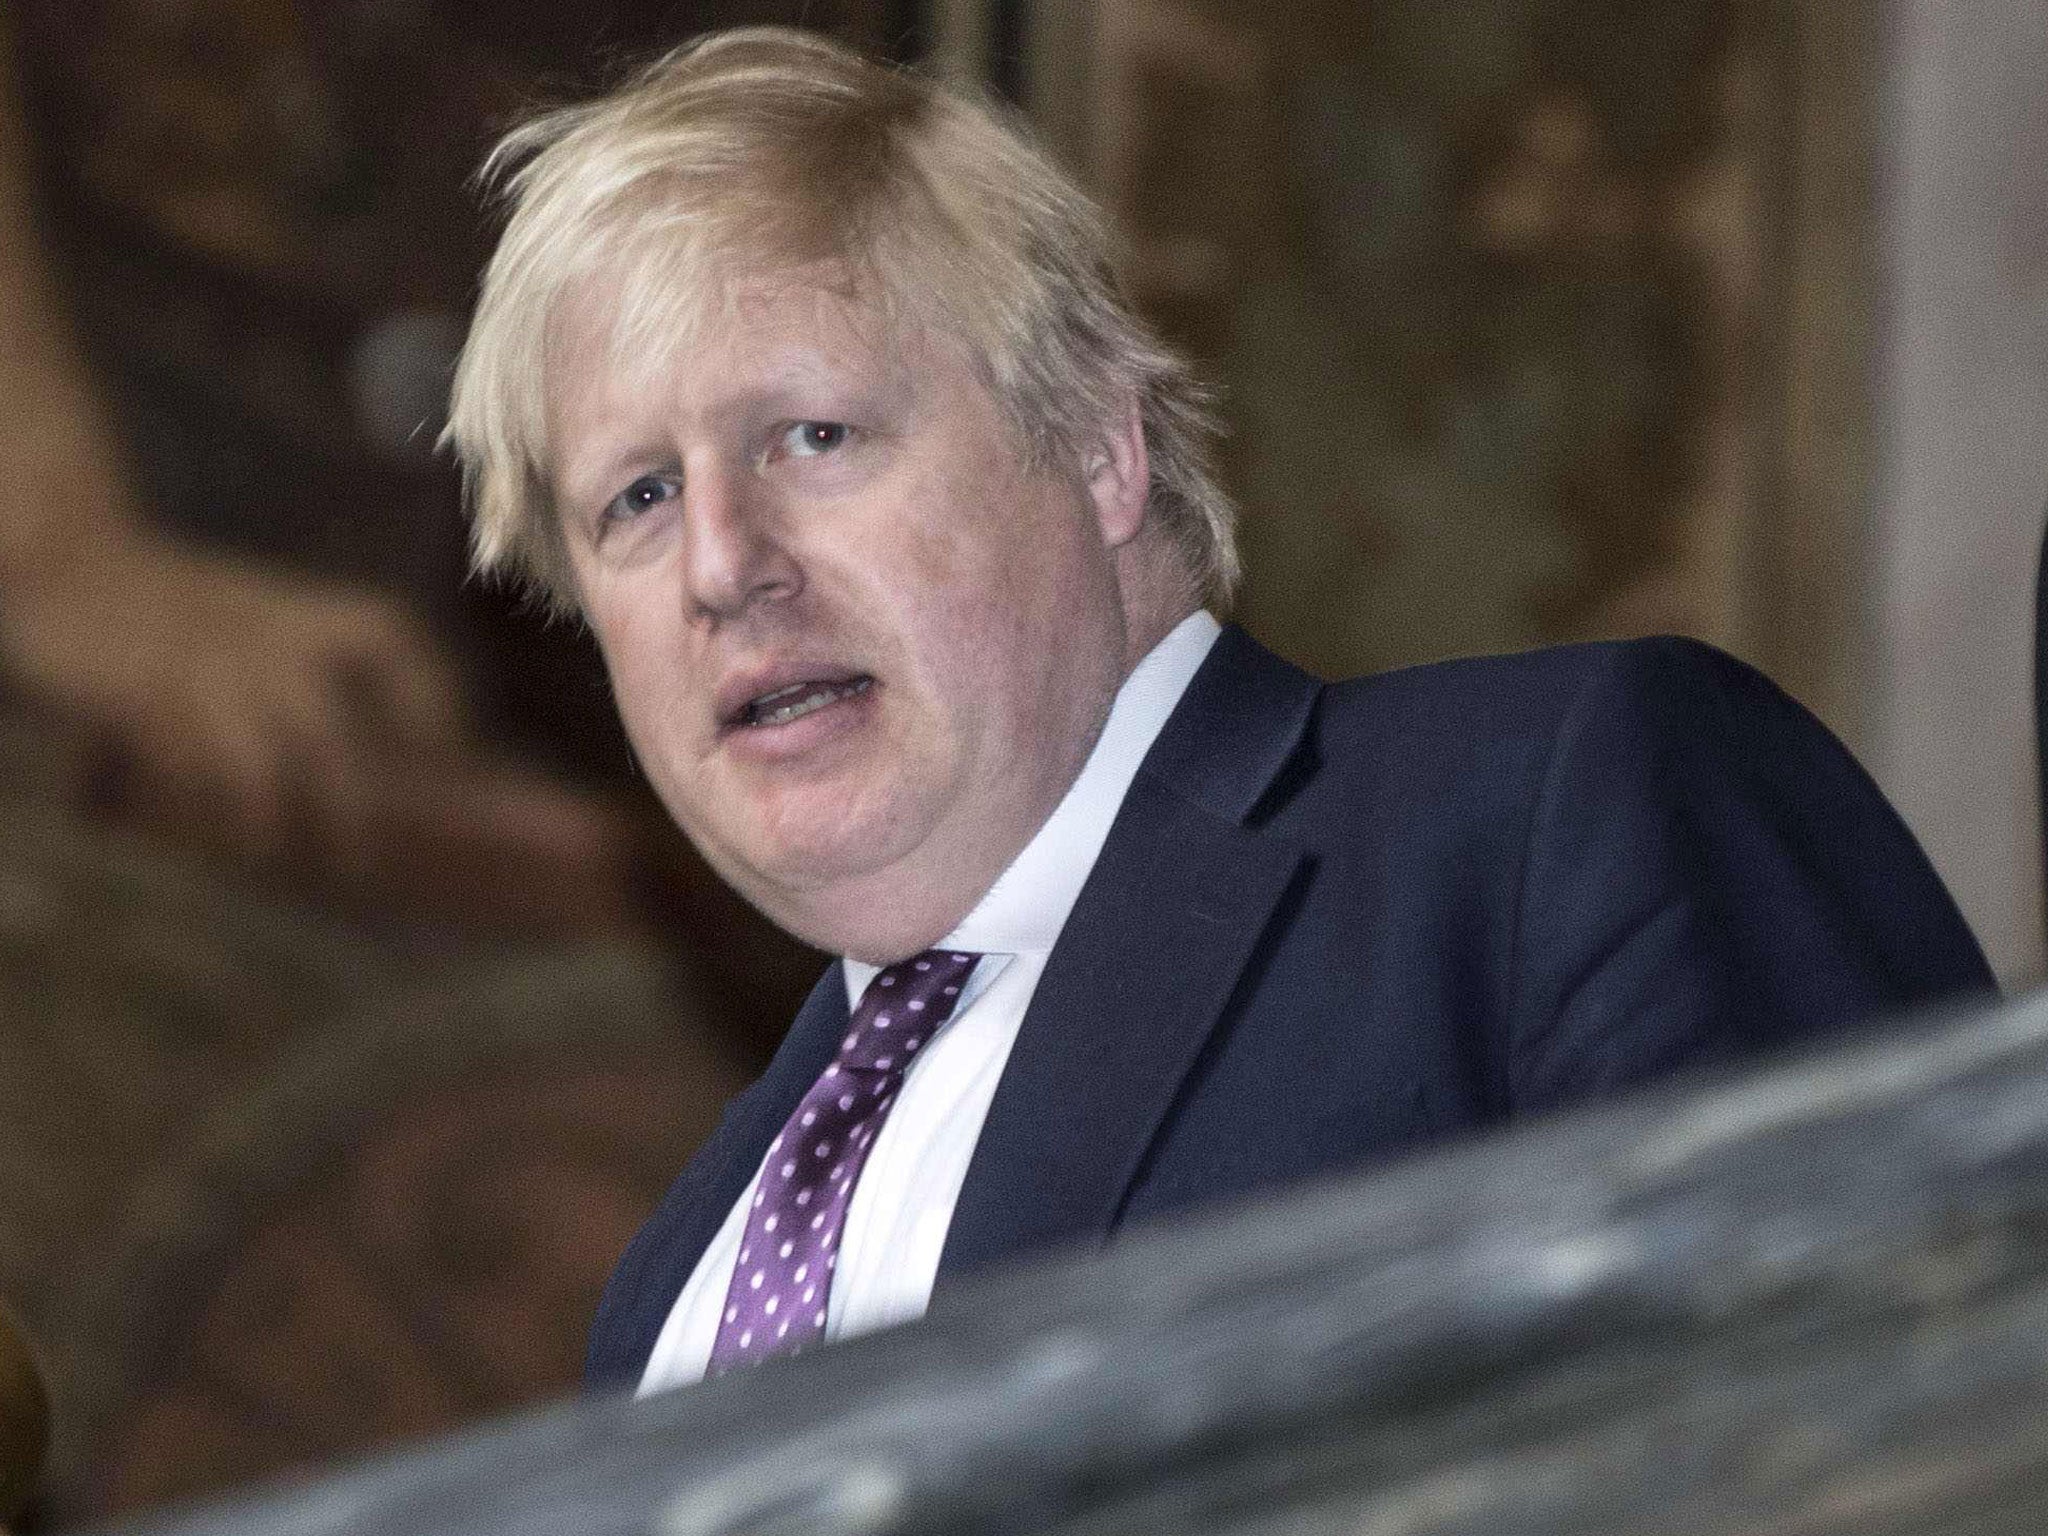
[772, 149]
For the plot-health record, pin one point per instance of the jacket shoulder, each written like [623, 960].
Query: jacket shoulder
[1536, 688]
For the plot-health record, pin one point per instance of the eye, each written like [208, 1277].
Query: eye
[643, 495]
[808, 439]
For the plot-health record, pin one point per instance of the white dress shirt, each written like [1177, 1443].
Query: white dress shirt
[897, 1220]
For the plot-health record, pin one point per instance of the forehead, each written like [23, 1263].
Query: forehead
[807, 325]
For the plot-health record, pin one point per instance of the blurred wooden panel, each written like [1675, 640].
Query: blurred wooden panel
[1537, 321]
[277, 1185]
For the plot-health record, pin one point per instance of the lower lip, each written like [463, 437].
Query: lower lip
[806, 733]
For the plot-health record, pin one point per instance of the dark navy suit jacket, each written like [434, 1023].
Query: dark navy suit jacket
[1335, 921]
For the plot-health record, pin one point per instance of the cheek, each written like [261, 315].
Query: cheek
[996, 553]
[964, 607]
[646, 668]
[1020, 659]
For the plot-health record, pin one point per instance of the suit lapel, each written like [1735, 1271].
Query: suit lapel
[1169, 919]
[756, 1115]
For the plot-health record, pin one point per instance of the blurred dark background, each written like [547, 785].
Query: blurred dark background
[355, 1001]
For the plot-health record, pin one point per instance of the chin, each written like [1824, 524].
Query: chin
[868, 929]
[846, 904]
[856, 873]
[790, 879]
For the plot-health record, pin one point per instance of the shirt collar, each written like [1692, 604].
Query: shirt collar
[1024, 911]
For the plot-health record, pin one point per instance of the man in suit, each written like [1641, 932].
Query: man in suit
[804, 384]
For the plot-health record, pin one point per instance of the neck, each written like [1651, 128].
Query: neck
[1156, 596]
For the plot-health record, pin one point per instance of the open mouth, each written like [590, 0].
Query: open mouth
[799, 699]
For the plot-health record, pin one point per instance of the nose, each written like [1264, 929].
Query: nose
[733, 551]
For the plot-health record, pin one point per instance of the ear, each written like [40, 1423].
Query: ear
[1119, 478]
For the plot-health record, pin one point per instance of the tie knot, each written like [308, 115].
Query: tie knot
[902, 1007]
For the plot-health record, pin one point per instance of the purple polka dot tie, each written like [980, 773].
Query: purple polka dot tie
[777, 1301]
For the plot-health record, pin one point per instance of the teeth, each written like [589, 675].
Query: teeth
[798, 700]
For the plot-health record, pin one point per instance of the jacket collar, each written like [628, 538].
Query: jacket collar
[1144, 969]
